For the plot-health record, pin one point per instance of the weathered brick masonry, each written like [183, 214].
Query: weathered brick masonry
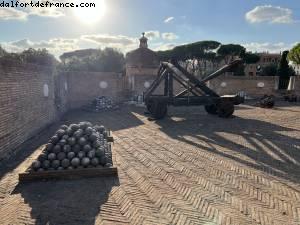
[252, 86]
[85, 86]
[23, 108]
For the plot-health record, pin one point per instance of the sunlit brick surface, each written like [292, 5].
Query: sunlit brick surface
[190, 168]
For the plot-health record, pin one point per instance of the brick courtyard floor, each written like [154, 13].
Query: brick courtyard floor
[190, 168]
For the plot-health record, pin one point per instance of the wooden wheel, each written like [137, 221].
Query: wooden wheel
[157, 109]
[225, 109]
[211, 109]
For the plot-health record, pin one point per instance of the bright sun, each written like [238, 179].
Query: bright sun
[90, 15]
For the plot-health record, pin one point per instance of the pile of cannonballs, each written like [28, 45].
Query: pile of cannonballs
[76, 146]
[102, 103]
[267, 101]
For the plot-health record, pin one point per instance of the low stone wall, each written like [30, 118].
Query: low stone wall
[251, 86]
[143, 82]
[24, 109]
[85, 86]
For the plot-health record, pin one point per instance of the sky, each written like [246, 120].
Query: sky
[265, 25]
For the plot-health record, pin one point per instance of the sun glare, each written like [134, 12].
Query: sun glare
[90, 15]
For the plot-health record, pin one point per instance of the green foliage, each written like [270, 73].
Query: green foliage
[94, 60]
[2, 52]
[294, 54]
[239, 70]
[284, 70]
[199, 50]
[229, 51]
[269, 70]
[208, 50]
[249, 57]
[39, 56]
[164, 55]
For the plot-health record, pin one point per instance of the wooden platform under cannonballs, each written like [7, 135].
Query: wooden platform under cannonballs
[76, 173]
[68, 174]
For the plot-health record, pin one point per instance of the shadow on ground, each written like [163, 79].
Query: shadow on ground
[75, 202]
[254, 143]
[26, 149]
[114, 120]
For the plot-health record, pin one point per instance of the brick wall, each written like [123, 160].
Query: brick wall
[61, 92]
[250, 85]
[23, 108]
[83, 87]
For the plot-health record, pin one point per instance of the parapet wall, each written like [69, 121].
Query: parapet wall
[85, 86]
[24, 109]
[251, 86]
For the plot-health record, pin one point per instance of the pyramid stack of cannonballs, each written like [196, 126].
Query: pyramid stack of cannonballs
[267, 101]
[76, 146]
[102, 103]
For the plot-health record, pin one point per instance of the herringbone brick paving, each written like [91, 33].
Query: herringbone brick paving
[190, 168]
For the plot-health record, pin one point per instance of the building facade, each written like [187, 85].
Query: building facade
[141, 67]
[265, 60]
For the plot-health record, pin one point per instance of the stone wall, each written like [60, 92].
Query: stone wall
[85, 86]
[143, 82]
[251, 86]
[24, 110]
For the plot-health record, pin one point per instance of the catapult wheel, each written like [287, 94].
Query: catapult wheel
[225, 109]
[157, 109]
[211, 109]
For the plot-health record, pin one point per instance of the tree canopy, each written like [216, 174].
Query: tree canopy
[199, 56]
[39, 56]
[208, 50]
[95, 60]
[229, 51]
[284, 70]
[269, 70]
[2, 51]
[200, 49]
[35, 56]
[294, 54]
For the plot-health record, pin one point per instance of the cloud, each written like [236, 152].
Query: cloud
[17, 14]
[58, 46]
[55, 46]
[107, 39]
[12, 14]
[270, 14]
[152, 34]
[164, 46]
[169, 19]
[169, 36]
[121, 42]
[268, 47]
[46, 12]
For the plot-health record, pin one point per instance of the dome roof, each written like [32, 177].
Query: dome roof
[143, 57]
